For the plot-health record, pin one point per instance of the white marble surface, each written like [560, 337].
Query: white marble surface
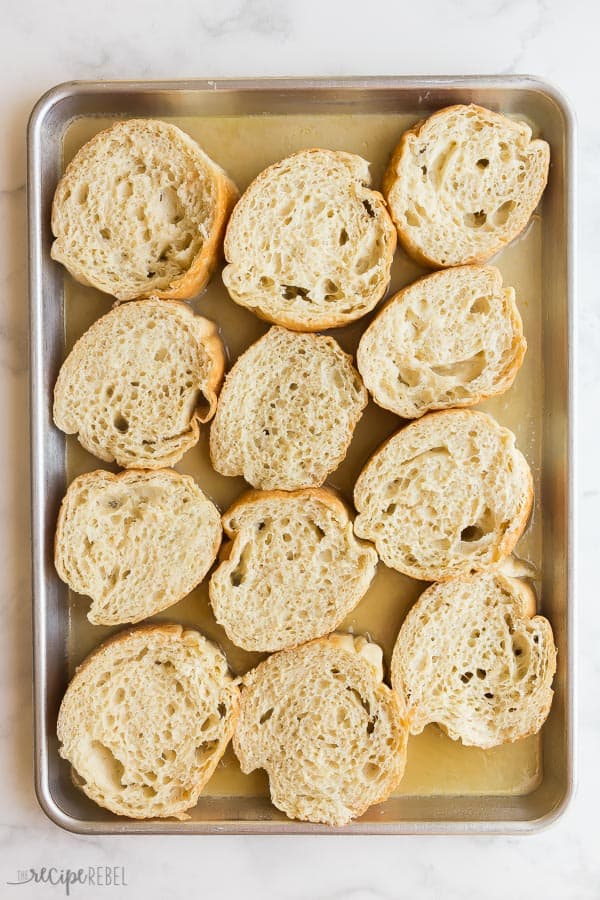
[45, 43]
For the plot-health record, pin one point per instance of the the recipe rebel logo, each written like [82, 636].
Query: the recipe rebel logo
[91, 876]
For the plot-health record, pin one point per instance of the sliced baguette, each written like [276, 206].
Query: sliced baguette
[463, 183]
[448, 495]
[138, 382]
[136, 542]
[287, 411]
[330, 735]
[293, 571]
[146, 719]
[309, 245]
[451, 339]
[473, 657]
[141, 210]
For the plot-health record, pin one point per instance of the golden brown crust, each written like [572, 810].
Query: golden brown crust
[391, 177]
[200, 272]
[323, 495]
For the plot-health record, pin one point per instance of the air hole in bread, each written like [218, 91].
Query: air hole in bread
[481, 305]
[266, 716]
[81, 193]
[364, 703]
[105, 233]
[369, 209]
[471, 533]
[125, 190]
[412, 218]
[424, 170]
[500, 217]
[121, 423]
[481, 674]
[488, 695]
[236, 578]
[371, 771]
[292, 291]
[483, 163]
[475, 219]
[106, 768]
[343, 237]
[466, 677]
[464, 370]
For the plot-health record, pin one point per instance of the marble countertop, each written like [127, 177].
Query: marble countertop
[43, 44]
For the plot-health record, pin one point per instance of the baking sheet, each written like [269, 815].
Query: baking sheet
[445, 783]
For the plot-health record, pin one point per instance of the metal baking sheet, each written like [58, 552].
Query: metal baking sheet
[245, 125]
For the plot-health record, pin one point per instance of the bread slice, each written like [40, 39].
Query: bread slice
[146, 719]
[138, 382]
[309, 245]
[448, 495]
[140, 211]
[451, 339]
[463, 183]
[287, 411]
[293, 571]
[473, 657]
[330, 735]
[136, 542]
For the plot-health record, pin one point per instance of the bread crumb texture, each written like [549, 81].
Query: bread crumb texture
[141, 210]
[136, 542]
[287, 411]
[330, 735]
[450, 339]
[146, 719]
[448, 495]
[473, 657]
[136, 384]
[310, 245]
[293, 571]
[463, 183]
